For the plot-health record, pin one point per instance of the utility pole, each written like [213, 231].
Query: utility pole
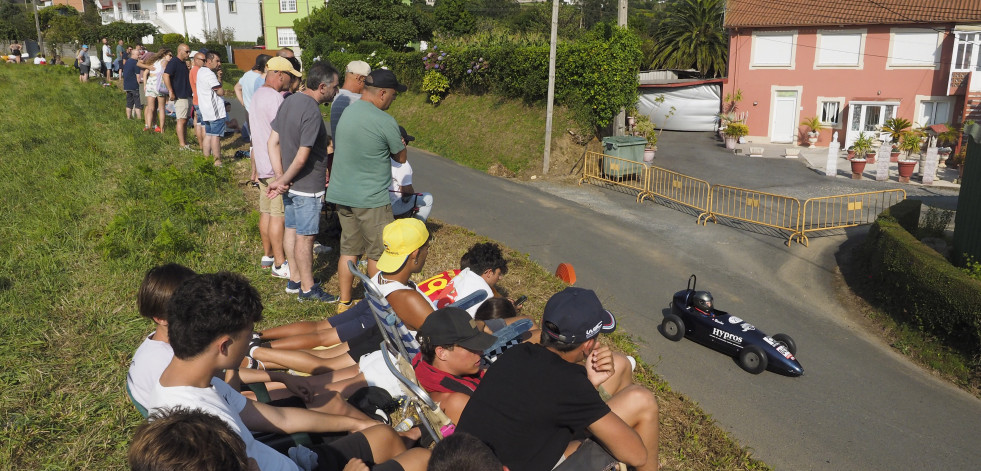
[37, 25]
[551, 84]
[221, 34]
[184, 21]
[619, 126]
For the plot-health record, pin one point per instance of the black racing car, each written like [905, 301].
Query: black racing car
[694, 316]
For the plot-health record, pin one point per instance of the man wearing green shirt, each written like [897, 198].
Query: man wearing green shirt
[367, 137]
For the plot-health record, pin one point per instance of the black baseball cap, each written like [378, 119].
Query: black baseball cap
[575, 315]
[454, 326]
[405, 135]
[384, 78]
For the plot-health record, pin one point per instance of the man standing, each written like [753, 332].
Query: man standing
[544, 421]
[212, 106]
[178, 81]
[130, 72]
[120, 58]
[357, 72]
[265, 104]
[84, 62]
[197, 60]
[299, 140]
[246, 85]
[367, 138]
[106, 60]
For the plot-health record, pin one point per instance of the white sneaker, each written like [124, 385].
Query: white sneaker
[267, 262]
[282, 271]
[321, 249]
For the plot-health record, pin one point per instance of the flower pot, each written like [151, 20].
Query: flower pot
[870, 157]
[906, 170]
[730, 142]
[812, 139]
[943, 160]
[858, 166]
[851, 154]
[649, 154]
[894, 156]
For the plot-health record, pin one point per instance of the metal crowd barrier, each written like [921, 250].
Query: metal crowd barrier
[841, 211]
[616, 171]
[755, 207]
[678, 188]
[765, 209]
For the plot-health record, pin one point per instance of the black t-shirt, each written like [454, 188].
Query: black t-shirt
[180, 77]
[530, 405]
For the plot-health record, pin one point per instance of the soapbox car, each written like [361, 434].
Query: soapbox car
[693, 315]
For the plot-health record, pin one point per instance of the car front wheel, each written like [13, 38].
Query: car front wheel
[673, 327]
[752, 359]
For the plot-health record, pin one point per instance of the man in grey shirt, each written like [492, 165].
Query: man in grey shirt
[298, 154]
[349, 93]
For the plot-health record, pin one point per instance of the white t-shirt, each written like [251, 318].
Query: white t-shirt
[401, 176]
[212, 105]
[149, 362]
[106, 53]
[225, 403]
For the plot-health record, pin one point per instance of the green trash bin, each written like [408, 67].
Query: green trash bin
[625, 147]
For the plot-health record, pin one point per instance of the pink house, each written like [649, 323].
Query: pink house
[853, 63]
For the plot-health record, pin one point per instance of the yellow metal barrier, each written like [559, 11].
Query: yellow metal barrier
[841, 211]
[616, 171]
[679, 188]
[765, 209]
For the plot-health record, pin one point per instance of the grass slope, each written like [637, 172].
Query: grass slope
[93, 202]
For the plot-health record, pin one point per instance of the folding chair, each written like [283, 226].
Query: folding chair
[398, 348]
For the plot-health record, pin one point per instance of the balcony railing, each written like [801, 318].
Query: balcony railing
[138, 16]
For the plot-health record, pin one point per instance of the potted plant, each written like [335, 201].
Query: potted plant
[894, 154]
[906, 169]
[645, 128]
[733, 132]
[863, 147]
[816, 126]
[944, 154]
[851, 152]
[858, 166]
[896, 127]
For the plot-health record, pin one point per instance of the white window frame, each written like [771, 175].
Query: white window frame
[793, 50]
[821, 100]
[921, 99]
[821, 33]
[129, 6]
[891, 64]
[279, 37]
[190, 5]
[287, 3]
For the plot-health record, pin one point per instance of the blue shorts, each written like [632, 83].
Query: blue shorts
[302, 213]
[215, 128]
[197, 115]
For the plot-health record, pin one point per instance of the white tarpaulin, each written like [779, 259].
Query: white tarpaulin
[696, 108]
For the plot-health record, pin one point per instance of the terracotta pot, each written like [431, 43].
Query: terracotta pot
[870, 157]
[894, 156]
[851, 154]
[858, 166]
[906, 170]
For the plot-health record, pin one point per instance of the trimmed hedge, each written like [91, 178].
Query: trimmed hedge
[906, 213]
[915, 284]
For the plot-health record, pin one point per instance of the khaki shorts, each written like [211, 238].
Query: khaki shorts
[182, 107]
[272, 207]
[361, 230]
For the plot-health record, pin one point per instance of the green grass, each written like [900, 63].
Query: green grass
[91, 203]
[479, 131]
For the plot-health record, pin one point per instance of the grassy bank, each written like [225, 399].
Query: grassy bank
[93, 202]
[479, 131]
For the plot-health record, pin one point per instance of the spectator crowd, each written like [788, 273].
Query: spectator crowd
[521, 395]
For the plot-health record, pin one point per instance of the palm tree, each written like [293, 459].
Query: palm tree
[691, 36]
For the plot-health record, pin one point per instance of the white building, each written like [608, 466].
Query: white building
[190, 18]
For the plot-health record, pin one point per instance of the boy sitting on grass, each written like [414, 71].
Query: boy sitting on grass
[210, 322]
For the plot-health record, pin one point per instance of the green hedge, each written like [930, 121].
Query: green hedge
[907, 214]
[915, 284]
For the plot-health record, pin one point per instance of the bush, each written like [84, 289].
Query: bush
[436, 85]
[906, 213]
[918, 286]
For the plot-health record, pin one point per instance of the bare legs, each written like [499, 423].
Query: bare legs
[637, 406]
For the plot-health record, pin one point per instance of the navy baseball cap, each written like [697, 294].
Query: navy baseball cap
[575, 315]
[384, 78]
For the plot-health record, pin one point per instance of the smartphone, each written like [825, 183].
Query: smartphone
[521, 299]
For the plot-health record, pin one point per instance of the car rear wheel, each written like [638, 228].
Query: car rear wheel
[673, 327]
[787, 342]
[752, 359]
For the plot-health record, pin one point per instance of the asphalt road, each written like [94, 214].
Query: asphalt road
[859, 405]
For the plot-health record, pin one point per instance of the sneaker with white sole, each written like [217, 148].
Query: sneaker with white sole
[282, 271]
[317, 294]
[267, 262]
[293, 287]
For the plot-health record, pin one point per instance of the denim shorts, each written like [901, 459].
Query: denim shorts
[302, 213]
[215, 128]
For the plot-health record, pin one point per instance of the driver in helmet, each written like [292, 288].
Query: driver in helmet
[702, 302]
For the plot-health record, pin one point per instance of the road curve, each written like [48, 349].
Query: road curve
[859, 405]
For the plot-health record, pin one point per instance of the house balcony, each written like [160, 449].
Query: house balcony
[131, 16]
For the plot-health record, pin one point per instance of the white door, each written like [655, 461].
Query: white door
[784, 122]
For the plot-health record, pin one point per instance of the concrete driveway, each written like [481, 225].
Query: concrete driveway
[859, 405]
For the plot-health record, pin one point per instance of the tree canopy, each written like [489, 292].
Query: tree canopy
[691, 36]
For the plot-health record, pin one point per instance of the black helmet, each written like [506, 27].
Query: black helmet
[702, 301]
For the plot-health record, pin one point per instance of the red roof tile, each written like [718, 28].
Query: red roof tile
[778, 13]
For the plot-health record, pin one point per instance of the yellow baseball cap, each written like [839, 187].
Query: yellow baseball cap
[283, 65]
[401, 238]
